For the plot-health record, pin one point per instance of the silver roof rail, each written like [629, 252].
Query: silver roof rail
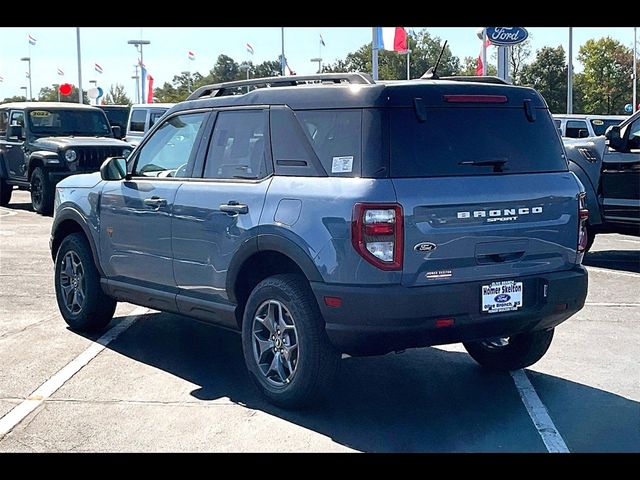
[225, 88]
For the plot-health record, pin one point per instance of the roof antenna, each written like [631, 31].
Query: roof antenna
[431, 73]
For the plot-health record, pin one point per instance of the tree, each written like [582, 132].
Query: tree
[15, 98]
[470, 64]
[266, 69]
[181, 87]
[518, 56]
[606, 78]
[50, 94]
[226, 69]
[116, 96]
[548, 74]
[425, 50]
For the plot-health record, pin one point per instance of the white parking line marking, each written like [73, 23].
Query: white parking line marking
[48, 388]
[538, 413]
[614, 272]
[605, 304]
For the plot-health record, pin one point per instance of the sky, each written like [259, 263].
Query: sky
[166, 55]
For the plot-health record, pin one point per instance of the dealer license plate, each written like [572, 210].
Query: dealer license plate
[501, 296]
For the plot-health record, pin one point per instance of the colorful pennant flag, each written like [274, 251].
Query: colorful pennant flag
[250, 49]
[98, 68]
[32, 40]
[191, 55]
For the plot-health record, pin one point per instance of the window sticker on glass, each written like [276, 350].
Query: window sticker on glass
[342, 164]
[40, 113]
[597, 122]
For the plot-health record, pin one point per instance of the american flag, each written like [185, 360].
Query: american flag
[250, 49]
[32, 40]
[98, 68]
[60, 72]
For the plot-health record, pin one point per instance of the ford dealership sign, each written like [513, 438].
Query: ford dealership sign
[506, 36]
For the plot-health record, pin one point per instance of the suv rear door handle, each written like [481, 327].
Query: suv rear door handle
[156, 202]
[234, 208]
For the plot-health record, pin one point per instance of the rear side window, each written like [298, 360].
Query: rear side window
[138, 118]
[154, 116]
[576, 129]
[336, 137]
[472, 141]
[4, 117]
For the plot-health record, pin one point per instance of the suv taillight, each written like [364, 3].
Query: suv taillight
[583, 217]
[377, 234]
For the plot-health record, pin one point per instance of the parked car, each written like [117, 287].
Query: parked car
[142, 117]
[333, 214]
[583, 126]
[44, 142]
[609, 169]
[117, 115]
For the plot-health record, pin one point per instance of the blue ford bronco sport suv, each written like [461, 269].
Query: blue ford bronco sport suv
[331, 214]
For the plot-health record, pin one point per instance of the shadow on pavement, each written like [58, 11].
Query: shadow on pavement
[627, 260]
[423, 400]
[20, 206]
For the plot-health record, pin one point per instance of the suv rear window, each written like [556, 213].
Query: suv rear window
[472, 141]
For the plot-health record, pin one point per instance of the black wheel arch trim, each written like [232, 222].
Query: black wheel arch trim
[69, 213]
[270, 242]
[595, 217]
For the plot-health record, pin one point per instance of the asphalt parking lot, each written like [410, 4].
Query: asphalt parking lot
[167, 383]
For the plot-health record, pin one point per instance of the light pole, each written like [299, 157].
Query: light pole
[635, 72]
[138, 44]
[25, 92]
[28, 60]
[247, 67]
[319, 60]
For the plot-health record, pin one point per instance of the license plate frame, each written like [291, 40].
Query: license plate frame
[503, 296]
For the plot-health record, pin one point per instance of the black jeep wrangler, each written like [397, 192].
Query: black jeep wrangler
[42, 143]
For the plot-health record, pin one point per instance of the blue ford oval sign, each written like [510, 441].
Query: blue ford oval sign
[507, 35]
[503, 297]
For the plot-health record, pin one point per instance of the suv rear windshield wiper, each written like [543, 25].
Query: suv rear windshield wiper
[498, 164]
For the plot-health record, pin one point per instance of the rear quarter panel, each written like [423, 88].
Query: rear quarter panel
[322, 227]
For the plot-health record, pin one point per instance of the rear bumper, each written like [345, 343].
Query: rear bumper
[380, 319]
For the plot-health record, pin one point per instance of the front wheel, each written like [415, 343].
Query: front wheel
[285, 345]
[42, 192]
[82, 303]
[5, 192]
[511, 353]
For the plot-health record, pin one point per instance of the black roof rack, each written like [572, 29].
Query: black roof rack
[226, 88]
[482, 79]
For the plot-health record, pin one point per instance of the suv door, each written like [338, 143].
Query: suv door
[215, 214]
[621, 179]
[135, 214]
[15, 148]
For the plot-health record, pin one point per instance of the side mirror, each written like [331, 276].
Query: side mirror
[614, 139]
[117, 131]
[114, 169]
[16, 131]
[583, 133]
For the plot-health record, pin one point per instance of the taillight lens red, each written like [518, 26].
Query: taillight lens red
[377, 234]
[583, 217]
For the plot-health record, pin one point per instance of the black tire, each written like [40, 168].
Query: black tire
[96, 308]
[42, 192]
[5, 193]
[316, 360]
[519, 352]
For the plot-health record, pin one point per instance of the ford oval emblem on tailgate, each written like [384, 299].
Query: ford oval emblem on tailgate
[502, 298]
[425, 247]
